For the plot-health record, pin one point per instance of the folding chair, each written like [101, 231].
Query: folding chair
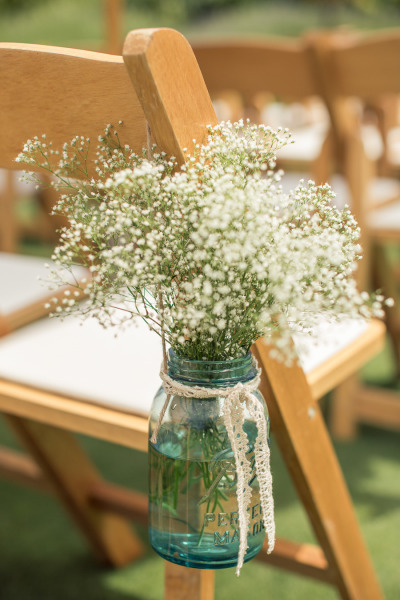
[49, 395]
[365, 68]
[39, 226]
[271, 81]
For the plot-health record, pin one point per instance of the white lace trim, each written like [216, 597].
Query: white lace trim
[233, 414]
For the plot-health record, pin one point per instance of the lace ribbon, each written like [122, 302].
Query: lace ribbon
[233, 413]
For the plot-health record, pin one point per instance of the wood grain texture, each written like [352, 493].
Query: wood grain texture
[301, 434]
[366, 66]
[74, 414]
[68, 92]
[378, 407]
[304, 559]
[9, 226]
[251, 66]
[184, 583]
[21, 468]
[114, 16]
[170, 87]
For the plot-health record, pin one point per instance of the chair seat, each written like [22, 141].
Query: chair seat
[386, 217]
[21, 188]
[383, 192]
[85, 361]
[328, 340]
[20, 283]
[88, 362]
[306, 146]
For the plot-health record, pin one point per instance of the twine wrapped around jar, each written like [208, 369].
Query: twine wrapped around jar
[233, 414]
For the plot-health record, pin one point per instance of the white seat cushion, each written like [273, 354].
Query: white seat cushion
[89, 362]
[386, 217]
[306, 146]
[328, 339]
[85, 361]
[21, 188]
[20, 284]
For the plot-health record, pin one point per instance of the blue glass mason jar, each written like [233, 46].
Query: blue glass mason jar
[193, 509]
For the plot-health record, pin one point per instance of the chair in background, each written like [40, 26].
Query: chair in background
[39, 227]
[85, 381]
[25, 301]
[271, 81]
[363, 70]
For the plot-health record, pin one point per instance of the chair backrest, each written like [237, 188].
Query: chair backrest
[354, 71]
[358, 66]
[63, 92]
[271, 81]
[253, 66]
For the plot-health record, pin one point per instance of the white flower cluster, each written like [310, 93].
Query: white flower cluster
[212, 254]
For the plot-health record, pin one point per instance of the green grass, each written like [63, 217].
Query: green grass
[44, 557]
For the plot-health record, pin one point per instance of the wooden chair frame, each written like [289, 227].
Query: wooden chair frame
[365, 67]
[177, 112]
[246, 71]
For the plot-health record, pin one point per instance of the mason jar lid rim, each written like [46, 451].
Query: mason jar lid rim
[229, 361]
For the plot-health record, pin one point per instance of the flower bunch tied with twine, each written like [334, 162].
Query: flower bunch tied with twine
[211, 254]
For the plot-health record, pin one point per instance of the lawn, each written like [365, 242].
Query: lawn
[43, 556]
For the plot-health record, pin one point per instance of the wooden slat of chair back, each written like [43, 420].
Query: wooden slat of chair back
[349, 65]
[281, 67]
[171, 88]
[366, 67]
[62, 93]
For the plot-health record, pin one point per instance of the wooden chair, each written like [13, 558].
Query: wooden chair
[40, 227]
[365, 68]
[47, 397]
[271, 81]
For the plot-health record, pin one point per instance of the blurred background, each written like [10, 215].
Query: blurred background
[83, 24]
[41, 554]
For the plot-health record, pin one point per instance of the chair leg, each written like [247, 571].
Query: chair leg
[384, 279]
[343, 420]
[72, 475]
[301, 434]
[184, 583]
[9, 232]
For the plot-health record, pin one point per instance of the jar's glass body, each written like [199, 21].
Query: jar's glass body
[193, 506]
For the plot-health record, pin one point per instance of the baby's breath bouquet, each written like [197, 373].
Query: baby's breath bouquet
[212, 255]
